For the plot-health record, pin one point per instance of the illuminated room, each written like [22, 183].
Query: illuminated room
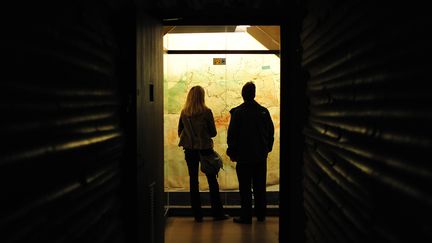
[221, 59]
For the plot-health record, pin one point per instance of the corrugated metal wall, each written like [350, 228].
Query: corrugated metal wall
[62, 138]
[367, 166]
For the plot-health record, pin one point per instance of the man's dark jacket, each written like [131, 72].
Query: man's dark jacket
[250, 133]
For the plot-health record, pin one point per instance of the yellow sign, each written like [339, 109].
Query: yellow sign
[219, 61]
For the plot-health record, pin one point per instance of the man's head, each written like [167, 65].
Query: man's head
[248, 91]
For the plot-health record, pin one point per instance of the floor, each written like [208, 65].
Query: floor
[185, 230]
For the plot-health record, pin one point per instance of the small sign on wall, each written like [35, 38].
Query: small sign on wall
[219, 61]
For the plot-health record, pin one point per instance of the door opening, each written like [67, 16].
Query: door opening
[221, 59]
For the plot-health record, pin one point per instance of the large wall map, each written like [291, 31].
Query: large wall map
[222, 84]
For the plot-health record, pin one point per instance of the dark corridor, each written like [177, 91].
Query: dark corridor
[80, 151]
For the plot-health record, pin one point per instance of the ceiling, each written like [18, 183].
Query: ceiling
[219, 12]
[269, 36]
[199, 29]
[204, 4]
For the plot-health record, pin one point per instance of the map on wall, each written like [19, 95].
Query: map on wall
[222, 84]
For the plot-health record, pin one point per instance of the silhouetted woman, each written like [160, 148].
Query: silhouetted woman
[196, 128]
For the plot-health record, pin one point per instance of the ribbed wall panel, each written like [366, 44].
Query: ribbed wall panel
[62, 140]
[368, 139]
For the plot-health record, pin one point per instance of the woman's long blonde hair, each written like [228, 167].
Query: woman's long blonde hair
[195, 103]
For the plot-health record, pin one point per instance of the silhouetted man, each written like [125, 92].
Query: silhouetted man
[250, 139]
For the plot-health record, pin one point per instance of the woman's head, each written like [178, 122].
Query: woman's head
[195, 102]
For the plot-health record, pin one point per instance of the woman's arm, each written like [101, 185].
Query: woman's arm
[180, 126]
[211, 125]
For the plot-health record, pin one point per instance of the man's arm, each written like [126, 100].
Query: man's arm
[232, 136]
[270, 131]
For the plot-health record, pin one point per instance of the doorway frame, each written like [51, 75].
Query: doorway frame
[292, 105]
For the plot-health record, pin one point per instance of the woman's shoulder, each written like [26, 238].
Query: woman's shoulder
[182, 114]
[205, 114]
[208, 112]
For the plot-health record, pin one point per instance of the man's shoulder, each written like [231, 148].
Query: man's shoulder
[264, 110]
[261, 108]
[248, 107]
[239, 107]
